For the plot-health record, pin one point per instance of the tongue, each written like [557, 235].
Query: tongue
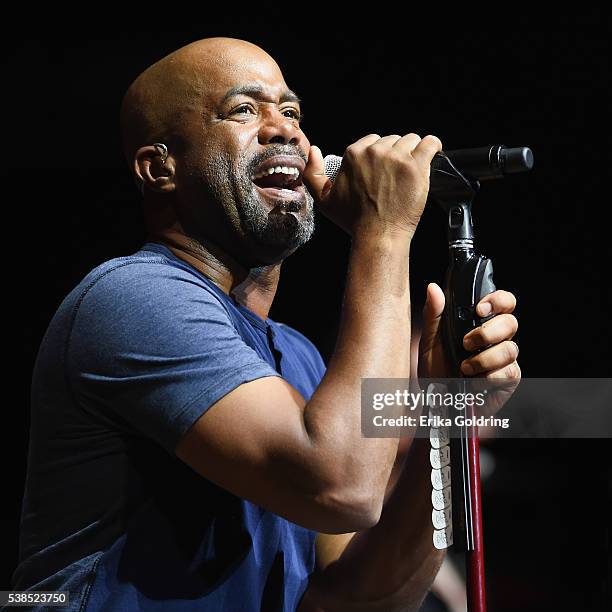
[278, 181]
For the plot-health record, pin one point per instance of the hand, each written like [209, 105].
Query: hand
[499, 354]
[493, 338]
[382, 184]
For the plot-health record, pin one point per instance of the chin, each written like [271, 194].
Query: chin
[279, 232]
[268, 249]
[264, 254]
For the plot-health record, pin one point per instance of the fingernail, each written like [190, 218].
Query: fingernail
[468, 344]
[466, 368]
[485, 309]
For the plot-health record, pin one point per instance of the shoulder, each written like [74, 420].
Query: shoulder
[131, 301]
[146, 279]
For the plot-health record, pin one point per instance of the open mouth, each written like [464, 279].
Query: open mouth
[280, 178]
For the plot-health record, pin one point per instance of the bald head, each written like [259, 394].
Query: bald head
[156, 103]
[223, 110]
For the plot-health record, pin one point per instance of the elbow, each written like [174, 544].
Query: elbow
[349, 509]
[348, 496]
[345, 494]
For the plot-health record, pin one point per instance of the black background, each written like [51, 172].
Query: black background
[72, 204]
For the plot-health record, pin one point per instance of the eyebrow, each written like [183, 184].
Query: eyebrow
[257, 92]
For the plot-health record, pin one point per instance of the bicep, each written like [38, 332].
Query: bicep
[253, 443]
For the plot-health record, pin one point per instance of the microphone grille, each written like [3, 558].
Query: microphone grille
[332, 165]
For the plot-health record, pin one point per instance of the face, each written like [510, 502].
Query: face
[243, 162]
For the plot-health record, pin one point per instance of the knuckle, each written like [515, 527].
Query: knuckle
[512, 322]
[356, 148]
[434, 140]
[512, 300]
[384, 142]
[517, 369]
[350, 152]
[512, 371]
[505, 299]
[510, 351]
[503, 326]
[484, 335]
[476, 363]
[375, 153]
[498, 297]
[470, 366]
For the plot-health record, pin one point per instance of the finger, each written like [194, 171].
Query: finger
[314, 177]
[512, 371]
[405, 145]
[426, 149]
[493, 358]
[432, 315]
[495, 330]
[497, 302]
[386, 141]
[360, 145]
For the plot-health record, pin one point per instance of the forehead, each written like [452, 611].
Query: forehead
[238, 71]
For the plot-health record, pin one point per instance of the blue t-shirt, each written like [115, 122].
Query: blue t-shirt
[136, 353]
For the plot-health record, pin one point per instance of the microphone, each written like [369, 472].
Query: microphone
[478, 164]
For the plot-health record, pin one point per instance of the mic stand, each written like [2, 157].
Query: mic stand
[469, 278]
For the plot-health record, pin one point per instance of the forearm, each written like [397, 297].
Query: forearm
[392, 565]
[373, 341]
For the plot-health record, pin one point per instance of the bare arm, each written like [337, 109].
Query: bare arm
[308, 461]
[391, 565]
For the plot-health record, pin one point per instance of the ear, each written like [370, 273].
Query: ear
[155, 173]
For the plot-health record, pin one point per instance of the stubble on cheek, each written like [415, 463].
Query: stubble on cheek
[228, 183]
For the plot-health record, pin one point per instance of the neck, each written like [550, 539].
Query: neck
[254, 288]
[257, 291]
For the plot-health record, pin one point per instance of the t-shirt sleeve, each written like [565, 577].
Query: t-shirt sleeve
[153, 347]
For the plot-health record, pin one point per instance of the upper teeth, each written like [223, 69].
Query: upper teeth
[277, 170]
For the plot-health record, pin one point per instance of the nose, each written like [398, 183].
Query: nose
[279, 129]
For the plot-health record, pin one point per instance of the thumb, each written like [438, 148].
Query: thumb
[314, 177]
[432, 314]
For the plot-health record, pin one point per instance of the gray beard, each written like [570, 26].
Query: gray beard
[283, 230]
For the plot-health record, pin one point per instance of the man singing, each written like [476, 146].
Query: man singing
[186, 451]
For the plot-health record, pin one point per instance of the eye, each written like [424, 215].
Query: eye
[293, 113]
[243, 109]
